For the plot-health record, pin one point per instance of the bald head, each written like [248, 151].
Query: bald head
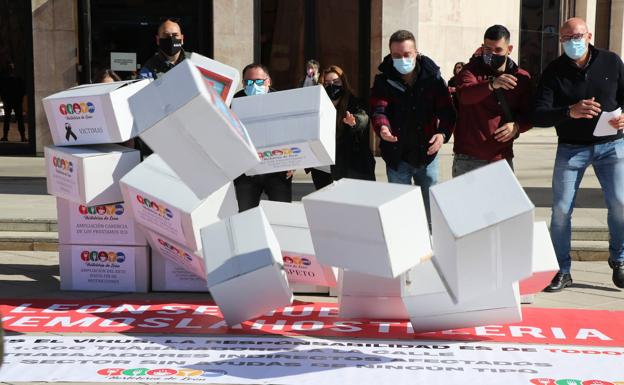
[169, 28]
[573, 26]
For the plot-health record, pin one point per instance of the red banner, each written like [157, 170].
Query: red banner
[541, 326]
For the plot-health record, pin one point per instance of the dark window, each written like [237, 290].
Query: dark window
[130, 26]
[539, 34]
[16, 79]
[603, 24]
[332, 32]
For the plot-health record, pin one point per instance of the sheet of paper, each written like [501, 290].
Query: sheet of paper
[603, 128]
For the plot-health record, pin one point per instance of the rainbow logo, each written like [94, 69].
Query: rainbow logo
[155, 207]
[77, 108]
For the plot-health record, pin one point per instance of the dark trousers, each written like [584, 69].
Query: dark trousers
[320, 178]
[249, 189]
[17, 108]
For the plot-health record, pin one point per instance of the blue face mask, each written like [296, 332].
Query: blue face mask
[254, 89]
[404, 65]
[575, 49]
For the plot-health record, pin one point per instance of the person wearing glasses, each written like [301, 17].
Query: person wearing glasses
[494, 104]
[574, 90]
[412, 112]
[354, 158]
[276, 185]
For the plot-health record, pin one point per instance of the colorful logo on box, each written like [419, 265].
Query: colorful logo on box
[103, 256]
[569, 381]
[62, 164]
[160, 372]
[296, 261]
[153, 206]
[181, 253]
[77, 108]
[116, 209]
[279, 153]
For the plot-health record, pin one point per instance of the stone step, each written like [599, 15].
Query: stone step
[29, 241]
[28, 225]
[583, 250]
[590, 233]
[590, 250]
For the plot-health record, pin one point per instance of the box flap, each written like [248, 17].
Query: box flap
[481, 198]
[90, 89]
[298, 101]
[92, 150]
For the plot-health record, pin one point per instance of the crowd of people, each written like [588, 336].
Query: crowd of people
[487, 104]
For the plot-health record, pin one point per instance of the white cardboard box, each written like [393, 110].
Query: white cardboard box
[185, 122]
[288, 221]
[291, 129]
[169, 276]
[545, 264]
[88, 175]
[369, 227]
[431, 308]
[191, 261]
[222, 78]
[372, 297]
[244, 266]
[110, 224]
[104, 268]
[160, 201]
[92, 113]
[482, 225]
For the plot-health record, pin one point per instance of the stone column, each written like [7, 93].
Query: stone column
[55, 45]
[586, 10]
[233, 32]
[616, 38]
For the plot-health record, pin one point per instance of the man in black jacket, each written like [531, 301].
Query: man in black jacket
[170, 53]
[575, 89]
[277, 185]
[412, 112]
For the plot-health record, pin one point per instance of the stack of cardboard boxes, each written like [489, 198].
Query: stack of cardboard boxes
[483, 252]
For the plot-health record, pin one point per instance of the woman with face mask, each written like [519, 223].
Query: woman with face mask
[354, 158]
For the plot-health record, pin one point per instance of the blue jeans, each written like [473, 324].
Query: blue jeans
[424, 177]
[570, 165]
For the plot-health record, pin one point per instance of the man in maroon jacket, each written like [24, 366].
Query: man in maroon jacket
[494, 104]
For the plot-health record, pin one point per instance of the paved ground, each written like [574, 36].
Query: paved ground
[28, 274]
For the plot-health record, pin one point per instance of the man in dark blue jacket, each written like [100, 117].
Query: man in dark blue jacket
[575, 89]
[412, 112]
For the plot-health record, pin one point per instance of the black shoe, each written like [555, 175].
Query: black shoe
[560, 282]
[4, 139]
[23, 138]
[618, 273]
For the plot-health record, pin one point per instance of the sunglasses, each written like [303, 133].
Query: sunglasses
[576, 36]
[259, 82]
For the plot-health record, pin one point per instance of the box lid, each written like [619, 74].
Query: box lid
[91, 89]
[359, 192]
[154, 177]
[302, 101]
[166, 94]
[238, 245]
[481, 198]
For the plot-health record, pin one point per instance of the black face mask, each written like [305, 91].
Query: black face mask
[334, 91]
[169, 45]
[495, 61]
